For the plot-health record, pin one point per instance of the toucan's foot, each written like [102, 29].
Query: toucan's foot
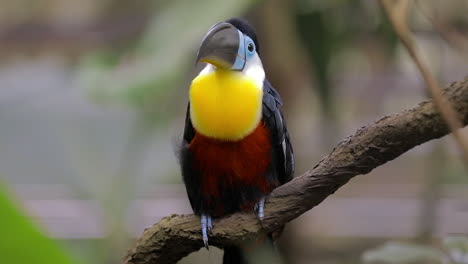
[259, 207]
[206, 226]
[210, 223]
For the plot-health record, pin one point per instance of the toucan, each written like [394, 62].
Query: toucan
[236, 148]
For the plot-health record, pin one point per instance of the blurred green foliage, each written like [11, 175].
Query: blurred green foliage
[146, 75]
[455, 251]
[21, 241]
[328, 28]
[402, 253]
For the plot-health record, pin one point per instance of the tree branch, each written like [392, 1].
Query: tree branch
[371, 146]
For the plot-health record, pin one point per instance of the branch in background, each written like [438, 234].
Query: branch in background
[453, 37]
[397, 11]
[371, 146]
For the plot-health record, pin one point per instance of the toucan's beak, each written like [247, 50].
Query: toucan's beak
[220, 47]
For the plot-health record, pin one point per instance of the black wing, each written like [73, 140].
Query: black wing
[283, 156]
[190, 176]
[189, 132]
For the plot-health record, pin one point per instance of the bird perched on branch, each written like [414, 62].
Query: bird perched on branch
[236, 147]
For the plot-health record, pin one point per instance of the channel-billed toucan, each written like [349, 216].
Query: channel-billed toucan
[236, 148]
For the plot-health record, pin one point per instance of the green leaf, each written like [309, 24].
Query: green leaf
[21, 241]
[402, 253]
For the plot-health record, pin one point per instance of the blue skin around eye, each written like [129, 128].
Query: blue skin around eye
[243, 52]
[248, 41]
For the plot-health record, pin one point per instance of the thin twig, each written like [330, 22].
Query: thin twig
[455, 39]
[397, 11]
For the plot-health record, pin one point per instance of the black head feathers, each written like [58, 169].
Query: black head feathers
[245, 28]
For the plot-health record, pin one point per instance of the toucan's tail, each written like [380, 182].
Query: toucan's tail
[234, 255]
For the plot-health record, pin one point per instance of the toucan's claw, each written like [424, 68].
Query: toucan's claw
[210, 223]
[206, 226]
[259, 207]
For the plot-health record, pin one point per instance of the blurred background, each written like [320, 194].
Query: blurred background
[92, 105]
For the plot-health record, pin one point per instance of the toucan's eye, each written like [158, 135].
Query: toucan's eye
[250, 47]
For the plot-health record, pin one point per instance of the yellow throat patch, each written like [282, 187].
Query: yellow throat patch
[225, 104]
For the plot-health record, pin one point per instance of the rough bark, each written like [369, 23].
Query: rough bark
[371, 146]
